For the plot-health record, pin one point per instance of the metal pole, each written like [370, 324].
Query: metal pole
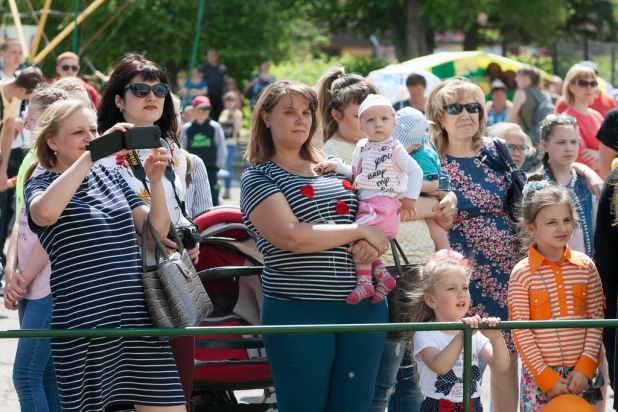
[196, 40]
[467, 368]
[41, 26]
[64, 33]
[75, 27]
[613, 60]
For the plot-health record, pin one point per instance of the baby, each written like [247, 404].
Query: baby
[411, 132]
[383, 172]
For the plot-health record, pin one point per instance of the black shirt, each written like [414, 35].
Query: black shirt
[608, 133]
[214, 78]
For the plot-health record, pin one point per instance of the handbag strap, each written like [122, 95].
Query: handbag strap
[159, 248]
[397, 252]
[505, 155]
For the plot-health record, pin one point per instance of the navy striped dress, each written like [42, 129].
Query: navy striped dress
[327, 199]
[96, 283]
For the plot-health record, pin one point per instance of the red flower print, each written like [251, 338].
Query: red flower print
[308, 191]
[122, 161]
[341, 208]
[346, 183]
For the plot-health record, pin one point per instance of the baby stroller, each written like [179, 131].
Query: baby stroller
[230, 267]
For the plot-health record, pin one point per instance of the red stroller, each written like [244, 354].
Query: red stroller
[230, 267]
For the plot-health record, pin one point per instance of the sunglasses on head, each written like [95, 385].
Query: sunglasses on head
[67, 67]
[142, 90]
[587, 83]
[558, 117]
[457, 108]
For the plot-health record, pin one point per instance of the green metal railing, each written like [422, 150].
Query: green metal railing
[296, 329]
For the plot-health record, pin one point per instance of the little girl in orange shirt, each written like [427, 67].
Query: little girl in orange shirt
[553, 282]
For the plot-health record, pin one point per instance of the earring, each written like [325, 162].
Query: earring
[268, 126]
[55, 153]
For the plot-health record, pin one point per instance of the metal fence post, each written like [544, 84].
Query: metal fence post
[467, 368]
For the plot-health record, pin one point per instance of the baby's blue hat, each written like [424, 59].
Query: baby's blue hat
[411, 127]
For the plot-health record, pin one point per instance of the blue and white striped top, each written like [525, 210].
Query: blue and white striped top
[326, 275]
[96, 283]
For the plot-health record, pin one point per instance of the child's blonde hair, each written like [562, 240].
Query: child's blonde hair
[440, 263]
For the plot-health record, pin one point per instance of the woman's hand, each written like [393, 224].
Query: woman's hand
[592, 157]
[122, 127]
[171, 247]
[577, 382]
[447, 208]
[376, 238]
[363, 252]
[13, 291]
[155, 164]
[560, 388]
[326, 167]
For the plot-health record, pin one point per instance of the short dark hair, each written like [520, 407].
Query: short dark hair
[29, 78]
[415, 79]
[132, 65]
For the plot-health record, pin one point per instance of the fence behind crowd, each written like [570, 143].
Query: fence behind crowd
[603, 54]
[297, 329]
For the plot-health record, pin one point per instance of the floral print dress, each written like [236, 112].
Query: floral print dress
[481, 230]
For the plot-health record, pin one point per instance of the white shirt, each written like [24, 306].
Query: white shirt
[449, 386]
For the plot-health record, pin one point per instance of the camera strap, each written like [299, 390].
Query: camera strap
[140, 173]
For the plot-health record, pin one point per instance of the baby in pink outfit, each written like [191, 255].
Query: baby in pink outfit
[383, 173]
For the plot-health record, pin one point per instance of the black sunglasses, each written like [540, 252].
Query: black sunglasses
[457, 108]
[587, 83]
[142, 90]
[66, 67]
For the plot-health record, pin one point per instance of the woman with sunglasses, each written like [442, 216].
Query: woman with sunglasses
[138, 95]
[481, 228]
[579, 91]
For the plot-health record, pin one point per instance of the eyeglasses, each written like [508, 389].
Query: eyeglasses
[67, 67]
[457, 108]
[203, 109]
[142, 90]
[587, 83]
[560, 117]
[521, 148]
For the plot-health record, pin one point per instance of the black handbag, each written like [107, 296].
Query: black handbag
[399, 301]
[515, 193]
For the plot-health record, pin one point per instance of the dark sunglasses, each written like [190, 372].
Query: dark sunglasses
[587, 83]
[558, 117]
[203, 109]
[142, 90]
[457, 108]
[66, 67]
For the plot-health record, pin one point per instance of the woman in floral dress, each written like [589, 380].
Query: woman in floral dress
[481, 229]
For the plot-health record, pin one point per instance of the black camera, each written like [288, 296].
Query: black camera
[146, 137]
[188, 235]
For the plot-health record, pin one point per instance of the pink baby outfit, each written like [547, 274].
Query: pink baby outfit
[383, 172]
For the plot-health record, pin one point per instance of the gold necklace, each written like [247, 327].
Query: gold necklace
[293, 168]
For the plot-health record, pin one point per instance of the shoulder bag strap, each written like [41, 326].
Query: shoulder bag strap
[504, 155]
[140, 173]
[397, 251]
[159, 248]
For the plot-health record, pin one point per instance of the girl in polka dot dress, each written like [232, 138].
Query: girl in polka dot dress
[442, 295]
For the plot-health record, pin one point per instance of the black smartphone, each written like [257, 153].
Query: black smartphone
[105, 145]
[145, 137]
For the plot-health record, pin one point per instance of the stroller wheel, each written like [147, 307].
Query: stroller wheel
[211, 401]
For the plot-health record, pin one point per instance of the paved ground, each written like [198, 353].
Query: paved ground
[9, 320]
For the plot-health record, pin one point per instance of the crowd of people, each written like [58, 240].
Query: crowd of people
[337, 172]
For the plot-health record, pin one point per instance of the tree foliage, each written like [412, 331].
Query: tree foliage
[243, 32]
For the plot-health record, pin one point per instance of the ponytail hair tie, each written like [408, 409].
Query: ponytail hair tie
[533, 186]
[451, 255]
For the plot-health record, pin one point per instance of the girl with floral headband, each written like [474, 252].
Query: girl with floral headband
[442, 295]
[553, 282]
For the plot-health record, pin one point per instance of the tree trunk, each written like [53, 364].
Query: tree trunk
[472, 40]
[413, 42]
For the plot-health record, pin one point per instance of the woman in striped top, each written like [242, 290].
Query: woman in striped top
[305, 225]
[87, 217]
[553, 282]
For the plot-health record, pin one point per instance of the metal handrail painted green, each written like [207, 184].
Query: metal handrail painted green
[288, 329]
